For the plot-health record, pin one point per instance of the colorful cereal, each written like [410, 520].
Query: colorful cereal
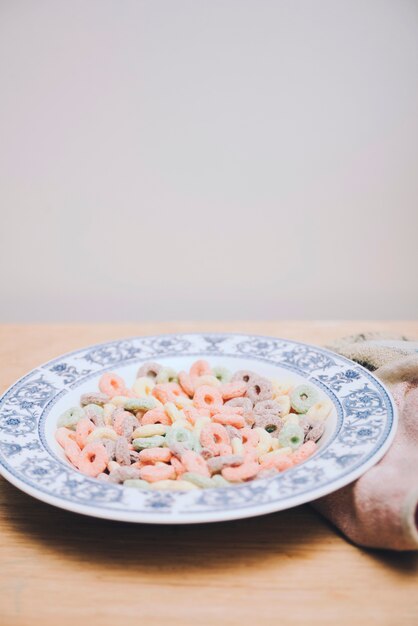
[198, 429]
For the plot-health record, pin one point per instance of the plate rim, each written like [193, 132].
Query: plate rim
[221, 514]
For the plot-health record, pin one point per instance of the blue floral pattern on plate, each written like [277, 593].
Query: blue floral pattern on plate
[365, 427]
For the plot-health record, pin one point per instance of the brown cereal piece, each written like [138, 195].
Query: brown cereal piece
[134, 456]
[234, 433]
[124, 422]
[128, 426]
[267, 406]
[316, 432]
[217, 464]
[305, 424]
[96, 416]
[271, 423]
[150, 370]
[94, 398]
[110, 446]
[247, 406]
[244, 376]
[120, 474]
[259, 390]
[122, 452]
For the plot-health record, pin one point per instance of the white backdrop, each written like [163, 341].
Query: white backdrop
[208, 159]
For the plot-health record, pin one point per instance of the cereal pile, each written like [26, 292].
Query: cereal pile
[189, 430]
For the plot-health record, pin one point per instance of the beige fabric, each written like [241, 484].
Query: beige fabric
[380, 509]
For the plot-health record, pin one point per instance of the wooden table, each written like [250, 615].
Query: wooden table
[59, 568]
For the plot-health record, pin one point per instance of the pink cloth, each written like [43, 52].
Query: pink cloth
[380, 509]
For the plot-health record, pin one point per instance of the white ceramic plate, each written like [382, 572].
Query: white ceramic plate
[358, 432]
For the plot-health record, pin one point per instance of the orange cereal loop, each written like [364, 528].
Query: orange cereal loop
[233, 390]
[304, 452]
[72, 452]
[250, 437]
[226, 408]
[178, 466]
[167, 392]
[193, 462]
[214, 437]
[186, 383]
[192, 414]
[224, 449]
[83, 429]
[156, 416]
[207, 397]
[229, 419]
[155, 455]
[281, 463]
[93, 459]
[200, 368]
[112, 385]
[63, 434]
[247, 470]
[159, 471]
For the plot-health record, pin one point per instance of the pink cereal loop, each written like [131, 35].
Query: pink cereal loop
[63, 435]
[304, 452]
[237, 410]
[186, 383]
[112, 385]
[156, 416]
[66, 439]
[229, 419]
[193, 462]
[178, 466]
[233, 390]
[224, 449]
[167, 392]
[192, 414]
[245, 471]
[281, 463]
[155, 455]
[159, 471]
[207, 397]
[200, 368]
[93, 459]
[83, 429]
[214, 437]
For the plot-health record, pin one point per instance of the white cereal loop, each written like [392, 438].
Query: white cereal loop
[143, 386]
[149, 430]
[102, 433]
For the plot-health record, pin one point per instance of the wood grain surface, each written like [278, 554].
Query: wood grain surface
[292, 567]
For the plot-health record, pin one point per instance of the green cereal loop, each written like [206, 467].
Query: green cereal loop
[71, 417]
[303, 397]
[179, 435]
[140, 404]
[220, 481]
[141, 443]
[291, 436]
[222, 374]
[137, 483]
[197, 479]
[167, 375]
